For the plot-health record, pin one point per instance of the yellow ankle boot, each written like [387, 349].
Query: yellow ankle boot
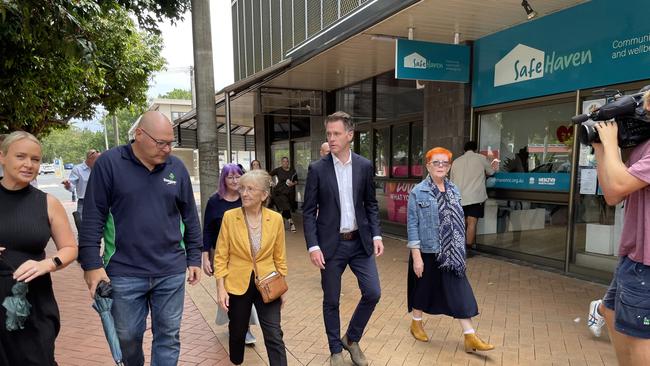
[474, 343]
[418, 331]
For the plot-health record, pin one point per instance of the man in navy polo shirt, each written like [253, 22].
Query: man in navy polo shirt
[140, 199]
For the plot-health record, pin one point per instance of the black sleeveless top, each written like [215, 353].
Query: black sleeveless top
[24, 226]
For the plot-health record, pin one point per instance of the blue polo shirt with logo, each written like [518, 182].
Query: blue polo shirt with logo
[148, 219]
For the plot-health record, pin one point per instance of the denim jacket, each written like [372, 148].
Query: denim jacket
[424, 219]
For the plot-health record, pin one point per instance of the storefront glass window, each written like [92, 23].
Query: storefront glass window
[528, 227]
[299, 127]
[301, 160]
[416, 149]
[364, 144]
[400, 143]
[533, 145]
[382, 148]
[397, 98]
[356, 100]
[279, 127]
[278, 151]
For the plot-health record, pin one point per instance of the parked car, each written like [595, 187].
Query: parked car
[68, 166]
[47, 169]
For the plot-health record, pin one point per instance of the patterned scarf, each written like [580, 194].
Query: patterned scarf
[451, 230]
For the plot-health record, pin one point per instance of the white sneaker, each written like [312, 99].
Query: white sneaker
[595, 321]
[250, 338]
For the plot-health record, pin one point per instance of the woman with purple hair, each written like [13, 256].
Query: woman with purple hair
[224, 199]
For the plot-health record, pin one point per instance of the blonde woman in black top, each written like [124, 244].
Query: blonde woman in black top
[29, 219]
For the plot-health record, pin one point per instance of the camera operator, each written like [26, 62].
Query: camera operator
[626, 305]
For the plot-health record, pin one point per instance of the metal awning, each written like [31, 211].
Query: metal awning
[372, 51]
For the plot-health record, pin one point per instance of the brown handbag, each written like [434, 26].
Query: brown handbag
[271, 286]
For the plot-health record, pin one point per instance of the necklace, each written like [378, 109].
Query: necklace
[250, 222]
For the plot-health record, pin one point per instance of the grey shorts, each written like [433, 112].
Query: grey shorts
[629, 297]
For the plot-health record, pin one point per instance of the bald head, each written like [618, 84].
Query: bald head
[324, 149]
[154, 138]
[153, 120]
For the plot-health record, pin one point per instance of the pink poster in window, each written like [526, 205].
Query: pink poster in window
[397, 195]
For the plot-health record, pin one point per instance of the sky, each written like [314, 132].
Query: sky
[177, 51]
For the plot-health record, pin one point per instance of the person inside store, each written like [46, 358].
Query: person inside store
[224, 199]
[437, 281]
[251, 244]
[626, 304]
[284, 191]
[255, 164]
[29, 219]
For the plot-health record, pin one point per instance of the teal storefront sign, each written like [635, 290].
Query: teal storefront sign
[431, 61]
[556, 182]
[598, 43]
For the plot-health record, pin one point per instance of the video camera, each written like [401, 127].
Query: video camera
[631, 118]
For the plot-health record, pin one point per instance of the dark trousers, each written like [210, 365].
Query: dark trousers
[239, 314]
[349, 253]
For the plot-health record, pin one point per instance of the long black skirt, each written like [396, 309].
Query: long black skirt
[33, 345]
[440, 292]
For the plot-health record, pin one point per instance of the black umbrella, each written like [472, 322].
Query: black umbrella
[102, 304]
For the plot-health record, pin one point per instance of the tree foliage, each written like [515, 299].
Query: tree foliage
[59, 59]
[177, 94]
[71, 144]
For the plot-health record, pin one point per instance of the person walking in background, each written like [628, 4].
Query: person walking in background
[29, 219]
[251, 245]
[140, 197]
[255, 164]
[437, 283]
[324, 149]
[78, 179]
[226, 198]
[341, 224]
[284, 191]
[468, 173]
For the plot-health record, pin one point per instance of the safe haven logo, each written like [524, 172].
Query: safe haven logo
[525, 63]
[417, 61]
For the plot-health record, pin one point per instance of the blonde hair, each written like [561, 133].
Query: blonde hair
[17, 136]
[258, 177]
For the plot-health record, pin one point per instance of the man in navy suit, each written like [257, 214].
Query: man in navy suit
[341, 224]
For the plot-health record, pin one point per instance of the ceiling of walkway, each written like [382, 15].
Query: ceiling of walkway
[362, 57]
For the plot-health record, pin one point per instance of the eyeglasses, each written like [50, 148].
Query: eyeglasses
[243, 190]
[160, 144]
[439, 163]
[233, 177]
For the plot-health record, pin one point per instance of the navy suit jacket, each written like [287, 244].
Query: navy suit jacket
[322, 208]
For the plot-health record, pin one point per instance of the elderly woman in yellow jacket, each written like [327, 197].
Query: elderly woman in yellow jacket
[252, 228]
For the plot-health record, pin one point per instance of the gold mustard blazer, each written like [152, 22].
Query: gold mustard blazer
[233, 260]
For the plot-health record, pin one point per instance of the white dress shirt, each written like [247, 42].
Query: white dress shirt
[343, 171]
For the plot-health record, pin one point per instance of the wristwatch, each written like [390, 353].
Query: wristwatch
[57, 262]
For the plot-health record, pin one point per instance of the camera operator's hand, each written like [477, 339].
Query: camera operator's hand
[608, 133]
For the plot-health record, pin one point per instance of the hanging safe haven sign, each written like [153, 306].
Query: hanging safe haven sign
[431, 61]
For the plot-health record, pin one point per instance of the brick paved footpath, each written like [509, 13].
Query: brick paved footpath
[528, 314]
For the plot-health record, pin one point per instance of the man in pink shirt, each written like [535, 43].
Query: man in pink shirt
[626, 305]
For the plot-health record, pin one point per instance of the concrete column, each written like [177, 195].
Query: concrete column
[205, 107]
[447, 108]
